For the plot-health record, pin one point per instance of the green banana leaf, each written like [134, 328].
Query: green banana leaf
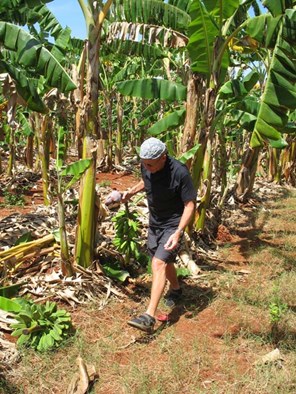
[246, 115]
[207, 20]
[202, 34]
[250, 104]
[61, 148]
[25, 125]
[224, 9]
[290, 128]
[244, 119]
[173, 119]
[132, 48]
[152, 108]
[278, 144]
[279, 95]
[23, 8]
[118, 274]
[237, 89]
[27, 88]
[50, 25]
[189, 154]
[264, 29]
[278, 7]
[76, 169]
[118, 73]
[10, 291]
[26, 237]
[62, 45]
[153, 89]
[48, 22]
[8, 305]
[152, 12]
[30, 53]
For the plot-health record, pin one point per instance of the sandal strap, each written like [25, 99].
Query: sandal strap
[145, 318]
[143, 322]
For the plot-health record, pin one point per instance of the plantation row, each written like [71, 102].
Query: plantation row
[216, 82]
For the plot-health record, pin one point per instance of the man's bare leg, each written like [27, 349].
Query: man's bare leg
[171, 275]
[158, 284]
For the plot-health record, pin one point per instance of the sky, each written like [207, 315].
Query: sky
[68, 13]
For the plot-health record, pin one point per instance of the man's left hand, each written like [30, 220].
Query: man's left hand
[173, 241]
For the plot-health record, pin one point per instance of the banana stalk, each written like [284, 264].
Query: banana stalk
[207, 179]
[17, 252]
[85, 234]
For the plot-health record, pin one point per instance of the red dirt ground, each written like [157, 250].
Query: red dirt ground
[34, 197]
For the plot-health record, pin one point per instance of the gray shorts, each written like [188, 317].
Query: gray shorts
[157, 237]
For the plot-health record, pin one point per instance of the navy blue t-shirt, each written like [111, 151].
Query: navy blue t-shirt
[167, 190]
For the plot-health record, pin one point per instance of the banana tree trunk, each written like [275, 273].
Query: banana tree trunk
[11, 158]
[272, 163]
[11, 113]
[289, 163]
[206, 188]
[78, 95]
[29, 151]
[205, 171]
[43, 153]
[85, 233]
[66, 265]
[118, 145]
[86, 226]
[246, 177]
[87, 219]
[275, 165]
[194, 90]
[109, 105]
[222, 165]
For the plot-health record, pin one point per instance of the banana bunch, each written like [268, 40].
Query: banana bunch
[126, 233]
[42, 327]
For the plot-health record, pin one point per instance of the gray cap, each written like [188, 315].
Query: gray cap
[152, 149]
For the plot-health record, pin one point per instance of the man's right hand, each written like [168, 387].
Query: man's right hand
[126, 196]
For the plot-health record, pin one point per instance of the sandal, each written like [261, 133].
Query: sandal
[143, 322]
[173, 297]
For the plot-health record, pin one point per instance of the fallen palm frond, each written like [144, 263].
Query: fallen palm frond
[86, 285]
[37, 265]
[16, 253]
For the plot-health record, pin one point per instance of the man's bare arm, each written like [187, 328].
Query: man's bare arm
[128, 194]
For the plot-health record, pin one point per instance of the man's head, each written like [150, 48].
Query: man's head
[153, 154]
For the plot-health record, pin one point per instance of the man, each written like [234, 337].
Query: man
[171, 200]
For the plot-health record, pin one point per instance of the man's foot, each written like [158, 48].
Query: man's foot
[143, 322]
[172, 297]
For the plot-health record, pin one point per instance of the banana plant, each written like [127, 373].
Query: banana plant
[35, 57]
[28, 133]
[33, 64]
[113, 70]
[75, 170]
[237, 107]
[276, 32]
[161, 26]
[94, 14]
